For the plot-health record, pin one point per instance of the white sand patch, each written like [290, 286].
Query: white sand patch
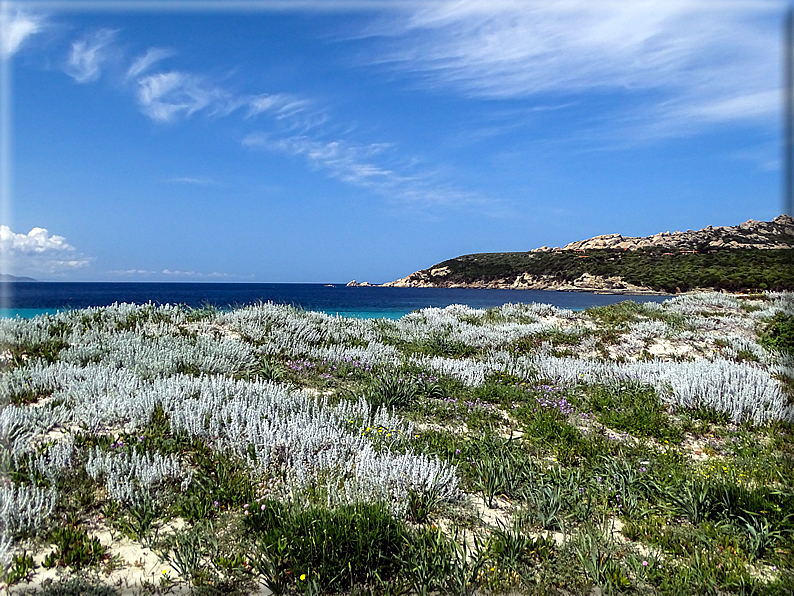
[666, 348]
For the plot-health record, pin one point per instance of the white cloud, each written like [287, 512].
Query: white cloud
[130, 272]
[152, 56]
[364, 166]
[281, 105]
[298, 127]
[39, 251]
[191, 180]
[165, 96]
[88, 55]
[707, 59]
[15, 27]
[36, 241]
[214, 274]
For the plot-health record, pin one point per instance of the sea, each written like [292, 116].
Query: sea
[28, 299]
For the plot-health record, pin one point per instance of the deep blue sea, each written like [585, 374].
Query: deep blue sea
[27, 299]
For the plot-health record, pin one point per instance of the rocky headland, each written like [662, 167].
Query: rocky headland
[609, 271]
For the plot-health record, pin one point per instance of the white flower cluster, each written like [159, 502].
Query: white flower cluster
[133, 478]
[23, 508]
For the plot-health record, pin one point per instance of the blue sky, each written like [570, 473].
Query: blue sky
[327, 141]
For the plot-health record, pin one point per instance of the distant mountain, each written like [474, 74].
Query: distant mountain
[7, 277]
[751, 256]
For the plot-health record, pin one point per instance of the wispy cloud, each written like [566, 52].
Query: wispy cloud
[366, 166]
[169, 96]
[278, 105]
[297, 126]
[16, 26]
[131, 272]
[198, 274]
[88, 55]
[151, 57]
[40, 251]
[169, 273]
[192, 180]
[687, 61]
[165, 96]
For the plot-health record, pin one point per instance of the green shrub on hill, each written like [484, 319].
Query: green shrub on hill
[732, 270]
[779, 333]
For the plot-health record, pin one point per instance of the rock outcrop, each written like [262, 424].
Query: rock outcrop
[776, 234]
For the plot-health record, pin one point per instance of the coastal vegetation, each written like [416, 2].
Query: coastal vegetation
[636, 448]
[658, 268]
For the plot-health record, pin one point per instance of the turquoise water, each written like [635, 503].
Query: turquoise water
[29, 313]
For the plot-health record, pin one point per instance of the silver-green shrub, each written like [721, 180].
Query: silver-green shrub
[161, 355]
[23, 508]
[55, 459]
[133, 478]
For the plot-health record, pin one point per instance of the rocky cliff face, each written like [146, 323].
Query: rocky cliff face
[526, 281]
[776, 234]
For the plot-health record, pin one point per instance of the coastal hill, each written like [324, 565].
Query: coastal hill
[754, 255]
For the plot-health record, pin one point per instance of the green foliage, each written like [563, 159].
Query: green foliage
[433, 562]
[391, 392]
[778, 333]
[45, 350]
[761, 536]
[136, 522]
[633, 408]
[556, 337]
[727, 269]
[74, 548]
[186, 550]
[549, 429]
[513, 548]
[264, 369]
[599, 565]
[221, 482]
[76, 586]
[710, 415]
[25, 397]
[205, 312]
[422, 503]
[355, 544]
[614, 315]
[426, 560]
[20, 568]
